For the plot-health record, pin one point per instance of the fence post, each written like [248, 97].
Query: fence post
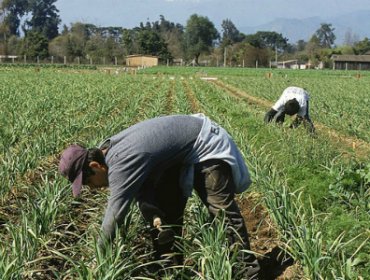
[25, 59]
[52, 59]
[115, 60]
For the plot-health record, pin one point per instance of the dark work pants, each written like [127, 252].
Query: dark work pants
[216, 188]
[165, 199]
[213, 182]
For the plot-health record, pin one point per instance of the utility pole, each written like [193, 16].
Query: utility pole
[276, 61]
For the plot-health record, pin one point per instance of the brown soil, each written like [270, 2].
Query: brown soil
[195, 107]
[348, 145]
[265, 242]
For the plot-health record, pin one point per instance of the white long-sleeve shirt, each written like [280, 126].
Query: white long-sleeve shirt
[290, 93]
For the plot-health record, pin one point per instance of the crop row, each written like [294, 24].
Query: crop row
[53, 235]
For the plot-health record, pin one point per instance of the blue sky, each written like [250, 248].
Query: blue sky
[129, 13]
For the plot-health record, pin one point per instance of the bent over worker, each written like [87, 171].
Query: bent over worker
[293, 101]
[157, 163]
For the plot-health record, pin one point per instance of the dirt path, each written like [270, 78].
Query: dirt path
[345, 144]
[265, 241]
[263, 236]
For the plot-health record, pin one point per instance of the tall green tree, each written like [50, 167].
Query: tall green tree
[35, 45]
[44, 19]
[230, 34]
[200, 34]
[313, 49]
[12, 12]
[172, 34]
[301, 45]
[267, 39]
[362, 47]
[326, 35]
[247, 55]
[78, 36]
[149, 42]
[128, 36]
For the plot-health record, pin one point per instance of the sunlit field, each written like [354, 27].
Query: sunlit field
[314, 190]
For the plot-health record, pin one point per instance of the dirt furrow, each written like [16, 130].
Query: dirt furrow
[345, 143]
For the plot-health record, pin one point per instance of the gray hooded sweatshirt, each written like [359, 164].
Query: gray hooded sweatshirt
[142, 152]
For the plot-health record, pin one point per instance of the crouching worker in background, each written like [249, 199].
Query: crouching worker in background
[158, 162]
[293, 101]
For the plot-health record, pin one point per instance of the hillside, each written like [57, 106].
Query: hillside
[295, 29]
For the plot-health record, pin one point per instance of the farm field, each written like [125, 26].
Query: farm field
[310, 196]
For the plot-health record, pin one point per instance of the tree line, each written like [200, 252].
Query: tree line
[30, 28]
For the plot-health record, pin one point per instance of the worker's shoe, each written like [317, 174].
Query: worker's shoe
[166, 236]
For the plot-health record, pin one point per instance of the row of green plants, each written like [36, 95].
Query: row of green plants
[338, 98]
[48, 66]
[339, 103]
[300, 181]
[49, 235]
[54, 236]
[245, 72]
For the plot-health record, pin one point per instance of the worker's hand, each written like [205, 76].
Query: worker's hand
[157, 222]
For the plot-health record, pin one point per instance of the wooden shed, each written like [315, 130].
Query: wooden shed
[351, 62]
[141, 60]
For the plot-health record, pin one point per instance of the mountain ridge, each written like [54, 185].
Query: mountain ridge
[296, 29]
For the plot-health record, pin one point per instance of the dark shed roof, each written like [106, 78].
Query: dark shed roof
[351, 58]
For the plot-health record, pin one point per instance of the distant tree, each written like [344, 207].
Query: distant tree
[267, 39]
[58, 47]
[345, 49]
[95, 48]
[301, 44]
[200, 34]
[14, 45]
[230, 34]
[76, 40]
[172, 34]
[44, 19]
[112, 49]
[316, 53]
[362, 47]
[149, 42]
[249, 55]
[35, 45]
[326, 35]
[313, 47]
[65, 30]
[13, 11]
[128, 36]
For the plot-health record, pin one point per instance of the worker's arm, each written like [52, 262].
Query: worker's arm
[303, 116]
[126, 176]
[309, 125]
[270, 115]
[307, 120]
